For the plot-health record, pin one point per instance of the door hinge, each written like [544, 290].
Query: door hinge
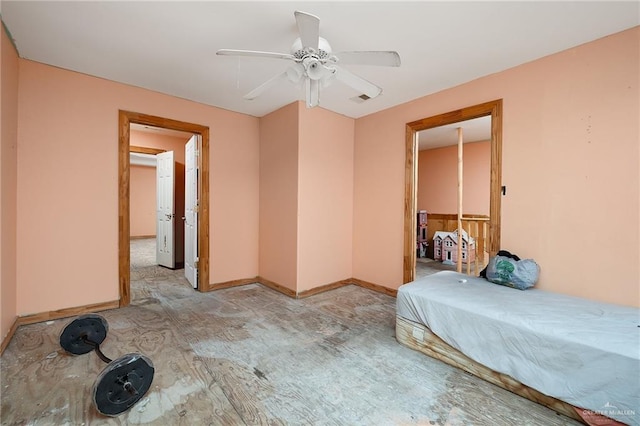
[196, 208]
[195, 264]
[196, 152]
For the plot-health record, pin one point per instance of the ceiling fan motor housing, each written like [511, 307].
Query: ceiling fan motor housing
[323, 53]
[314, 60]
[316, 65]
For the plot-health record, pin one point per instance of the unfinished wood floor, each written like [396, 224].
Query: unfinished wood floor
[249, 355]
[426, 266]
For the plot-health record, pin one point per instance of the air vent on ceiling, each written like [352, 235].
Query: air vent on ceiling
[360, 99]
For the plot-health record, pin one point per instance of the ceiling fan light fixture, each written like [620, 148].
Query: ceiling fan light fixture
[329, 78]
[295, 73]
[316, 66]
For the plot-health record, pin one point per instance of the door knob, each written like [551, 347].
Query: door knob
[169, 216]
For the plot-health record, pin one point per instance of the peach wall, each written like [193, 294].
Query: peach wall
[438, 179]
[142, 206]
[279, 196]
[67, 252]
[160, 141]
[8, 184]
[378, 200]
[306, 197]
[142, 180]
[325, 197]
[570, 164]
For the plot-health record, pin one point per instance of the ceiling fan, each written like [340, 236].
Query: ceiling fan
[317, 65]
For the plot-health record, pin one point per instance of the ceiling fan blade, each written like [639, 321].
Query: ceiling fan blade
[265, 86]
[360, 84]
[233, 52]
[313, 93]
[379, 58]
[309, 29]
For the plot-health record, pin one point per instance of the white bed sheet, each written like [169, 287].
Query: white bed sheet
[579, 351]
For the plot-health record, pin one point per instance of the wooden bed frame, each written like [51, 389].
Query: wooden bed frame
[418, 337]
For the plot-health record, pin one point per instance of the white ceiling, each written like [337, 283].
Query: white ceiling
[475, 130]
[160, 131]
[170, 47]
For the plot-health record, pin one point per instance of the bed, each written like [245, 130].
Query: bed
[561, 351]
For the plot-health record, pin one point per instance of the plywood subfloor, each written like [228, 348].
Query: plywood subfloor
[426, 266]
[249, 355]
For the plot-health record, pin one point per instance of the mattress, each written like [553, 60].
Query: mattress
[579, 351]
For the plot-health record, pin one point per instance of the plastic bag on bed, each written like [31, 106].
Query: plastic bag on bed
[520, 274]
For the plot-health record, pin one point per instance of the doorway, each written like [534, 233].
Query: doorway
[157, 192]
[439, 190]
[125, 120]
[492, 109]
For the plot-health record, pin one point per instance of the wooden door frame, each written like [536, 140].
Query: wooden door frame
[492, 108]
[125, 118]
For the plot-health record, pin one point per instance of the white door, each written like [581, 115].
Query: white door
[165, 213]
[191, 210]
